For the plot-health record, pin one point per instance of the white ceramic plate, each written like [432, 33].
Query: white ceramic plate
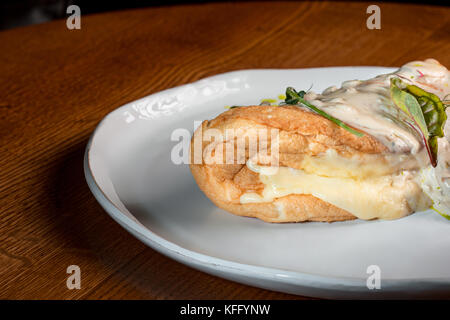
[129, 169]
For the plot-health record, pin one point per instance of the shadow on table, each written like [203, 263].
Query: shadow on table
[135, 270]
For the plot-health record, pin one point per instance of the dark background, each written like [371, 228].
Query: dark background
[16, 13]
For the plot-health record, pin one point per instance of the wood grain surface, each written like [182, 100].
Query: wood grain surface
[57, 84]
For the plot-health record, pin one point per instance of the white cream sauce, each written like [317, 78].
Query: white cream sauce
[367, 105]
[436, 181]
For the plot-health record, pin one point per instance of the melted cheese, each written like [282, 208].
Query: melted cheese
[386, 197]
[359, 166]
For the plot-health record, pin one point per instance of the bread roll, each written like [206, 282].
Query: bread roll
[301, 133]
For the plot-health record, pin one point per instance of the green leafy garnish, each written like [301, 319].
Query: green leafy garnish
[425, 111]
[294, 98]
[434, 113]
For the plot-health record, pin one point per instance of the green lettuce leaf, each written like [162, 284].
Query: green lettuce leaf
[425, 111]
[433, 110]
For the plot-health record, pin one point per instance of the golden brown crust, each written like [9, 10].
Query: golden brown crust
[298, 126]
[300, 133]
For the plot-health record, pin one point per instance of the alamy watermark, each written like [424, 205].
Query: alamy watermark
[374, 279]
[74, 280]
[374, 20]
[229, 146]
[74, 20]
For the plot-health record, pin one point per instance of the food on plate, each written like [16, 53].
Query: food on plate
[377, 148]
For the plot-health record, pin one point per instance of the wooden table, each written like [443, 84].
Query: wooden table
[57, 84]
